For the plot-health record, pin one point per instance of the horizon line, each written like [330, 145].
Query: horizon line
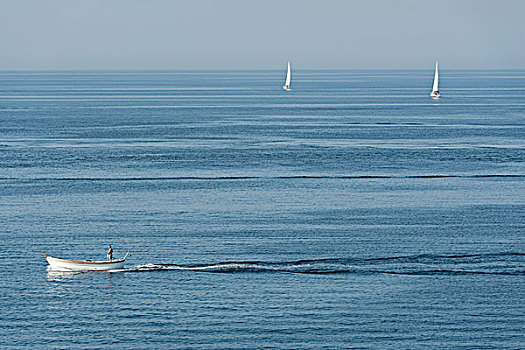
[244, 70]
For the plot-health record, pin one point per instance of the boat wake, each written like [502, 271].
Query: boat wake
[484, 264]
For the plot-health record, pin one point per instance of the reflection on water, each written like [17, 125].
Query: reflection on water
[66, 276]
[60, 276]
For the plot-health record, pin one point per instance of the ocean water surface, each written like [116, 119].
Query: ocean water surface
[352, 212]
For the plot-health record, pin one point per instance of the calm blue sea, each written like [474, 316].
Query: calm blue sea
[352, 212]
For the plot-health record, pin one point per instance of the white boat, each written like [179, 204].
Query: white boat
[435, 90]
[286, 85]
[84, 265]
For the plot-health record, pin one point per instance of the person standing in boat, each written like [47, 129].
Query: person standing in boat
[110, 252]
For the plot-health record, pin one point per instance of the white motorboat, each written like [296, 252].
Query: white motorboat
[286, 85]
[435, 90]
[84, 265]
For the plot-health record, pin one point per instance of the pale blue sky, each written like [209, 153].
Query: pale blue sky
[244, 34]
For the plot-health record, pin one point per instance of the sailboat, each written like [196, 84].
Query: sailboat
[286, 85]
[435, 90]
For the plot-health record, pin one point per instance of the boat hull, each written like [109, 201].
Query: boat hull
[84, 265]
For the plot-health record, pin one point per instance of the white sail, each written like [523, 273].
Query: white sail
[288, 78]
[436, 80]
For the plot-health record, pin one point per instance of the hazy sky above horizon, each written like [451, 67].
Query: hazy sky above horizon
[243, 34]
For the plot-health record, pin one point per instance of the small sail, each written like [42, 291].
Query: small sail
[436, 80]
[288, 78]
